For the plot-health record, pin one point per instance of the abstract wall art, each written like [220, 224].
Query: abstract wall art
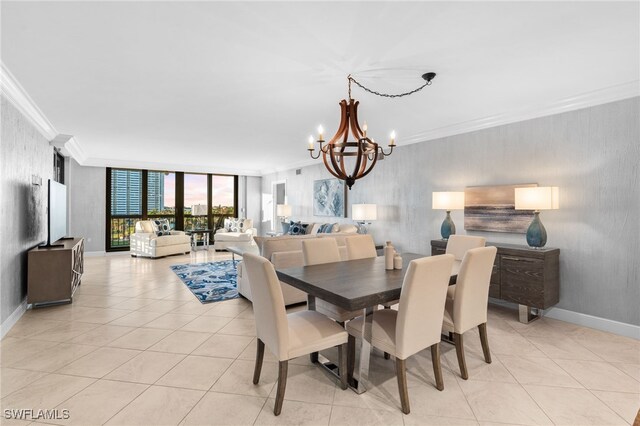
[492, 208]
[329, 197]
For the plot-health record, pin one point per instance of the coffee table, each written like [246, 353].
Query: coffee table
[240, 251]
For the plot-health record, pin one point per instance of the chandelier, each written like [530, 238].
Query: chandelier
[365, 150]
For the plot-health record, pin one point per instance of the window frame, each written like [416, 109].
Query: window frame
[179, 220]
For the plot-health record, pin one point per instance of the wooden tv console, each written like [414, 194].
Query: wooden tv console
[526, 276]
[54, 273]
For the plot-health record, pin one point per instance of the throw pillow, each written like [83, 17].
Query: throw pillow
[296, 228]
[161, 227]
[325, 228]
[234, 224]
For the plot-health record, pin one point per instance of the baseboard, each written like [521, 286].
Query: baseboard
[13, 318]
[615, 327]
[598, 323]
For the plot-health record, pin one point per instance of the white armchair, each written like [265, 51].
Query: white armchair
[236, 232]
[146, 243]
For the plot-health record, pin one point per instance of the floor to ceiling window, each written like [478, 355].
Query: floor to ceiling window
[161, 196]
[195, 201]
[188, 200]
[124, 205]
[224, 198]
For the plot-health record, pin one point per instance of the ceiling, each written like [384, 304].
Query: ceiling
[239, 87]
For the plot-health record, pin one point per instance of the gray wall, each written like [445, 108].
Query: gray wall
[592, 154]
[87, 201]
[253, 200]
[24, 153]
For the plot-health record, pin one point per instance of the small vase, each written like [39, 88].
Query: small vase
[389, 253]
[448, 227]
[536, 234]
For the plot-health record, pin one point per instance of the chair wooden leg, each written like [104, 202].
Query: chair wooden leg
[401, 374]
[351, 356]
[485, 342]
[259, 358]
[386, 354]
[313, 356]
[457, 339]
[437, 369]
[342, 364]
[282, 386]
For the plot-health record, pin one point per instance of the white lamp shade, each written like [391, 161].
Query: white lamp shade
[283, 210]
[364, 212]
[199, 210]
[537, 198]
[448, 201]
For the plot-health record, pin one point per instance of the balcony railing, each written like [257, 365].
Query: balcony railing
[121, 227]
[120, 230]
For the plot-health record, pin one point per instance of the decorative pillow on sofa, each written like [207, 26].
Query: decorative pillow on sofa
[161, 227]
[296, 228]
[233, 224]
[327, 228]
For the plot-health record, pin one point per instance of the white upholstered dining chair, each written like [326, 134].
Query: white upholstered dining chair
[360, 247]
[468, 308]
[417, 323]
[457, 245]
[317, 251]
[291, 335]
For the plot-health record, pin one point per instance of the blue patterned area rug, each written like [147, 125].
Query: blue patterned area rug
[210, 281]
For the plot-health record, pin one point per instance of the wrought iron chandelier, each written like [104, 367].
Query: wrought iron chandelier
[365, 149]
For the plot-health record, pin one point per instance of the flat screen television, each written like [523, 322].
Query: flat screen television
[57, 212]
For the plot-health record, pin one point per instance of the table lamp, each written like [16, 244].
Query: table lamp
[536, 199]
[283, 211]
[199, 210]
[448, 201]
[363, 214]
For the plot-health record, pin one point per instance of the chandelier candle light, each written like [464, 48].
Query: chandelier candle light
[448, 201]
[365, 149]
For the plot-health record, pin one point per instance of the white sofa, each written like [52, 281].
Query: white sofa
[236, 232]
[146, 243]
[286, 252]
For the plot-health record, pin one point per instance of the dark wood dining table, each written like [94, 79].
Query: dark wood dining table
[352, 285]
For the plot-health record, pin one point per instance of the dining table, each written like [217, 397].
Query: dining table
[353, 285]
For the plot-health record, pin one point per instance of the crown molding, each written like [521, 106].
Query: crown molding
[597, 97]
[585, 100]
[15, 93]
[152, 165]
[69, 147]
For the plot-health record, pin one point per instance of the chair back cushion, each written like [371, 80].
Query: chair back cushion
[459, 244]
[472, 289]
[320, 250]
[422, 300]
[360, 247]
[233, 224]
[268, 305]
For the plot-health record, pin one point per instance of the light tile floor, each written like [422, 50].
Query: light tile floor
[136, 347]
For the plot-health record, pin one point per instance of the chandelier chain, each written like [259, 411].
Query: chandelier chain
[385, 95]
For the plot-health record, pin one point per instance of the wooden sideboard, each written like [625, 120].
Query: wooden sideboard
[54, 273]
[528, 277]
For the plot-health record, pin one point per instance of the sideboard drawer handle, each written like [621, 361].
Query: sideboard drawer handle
[516, 259]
